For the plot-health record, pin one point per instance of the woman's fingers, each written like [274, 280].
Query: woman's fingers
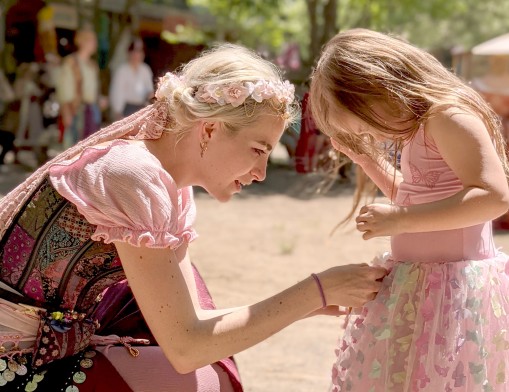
[379, 272]
[353, 284]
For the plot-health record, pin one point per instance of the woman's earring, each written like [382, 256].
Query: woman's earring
[203, 146]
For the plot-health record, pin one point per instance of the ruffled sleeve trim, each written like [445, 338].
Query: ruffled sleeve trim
[150, 239]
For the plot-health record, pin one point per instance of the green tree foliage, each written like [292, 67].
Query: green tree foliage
[255, 23]
[432, 24]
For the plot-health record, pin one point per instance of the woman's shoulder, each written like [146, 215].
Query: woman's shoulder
[123, 160]
[121, 151]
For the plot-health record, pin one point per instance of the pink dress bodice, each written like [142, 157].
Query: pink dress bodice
[428, 178]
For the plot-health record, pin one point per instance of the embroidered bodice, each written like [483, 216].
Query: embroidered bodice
[48, 255]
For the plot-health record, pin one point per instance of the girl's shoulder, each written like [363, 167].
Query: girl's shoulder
[453, 119]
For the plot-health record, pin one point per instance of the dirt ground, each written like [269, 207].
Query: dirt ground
[271, 236]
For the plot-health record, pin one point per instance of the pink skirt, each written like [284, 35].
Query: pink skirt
[432, 327]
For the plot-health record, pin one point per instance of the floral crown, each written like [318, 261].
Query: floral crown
[234, 94]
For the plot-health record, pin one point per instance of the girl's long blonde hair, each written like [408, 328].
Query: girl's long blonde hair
[359, 68]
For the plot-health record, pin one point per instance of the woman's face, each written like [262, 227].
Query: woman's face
[232, 161]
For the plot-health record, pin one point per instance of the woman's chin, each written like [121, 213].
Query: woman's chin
[221, 197]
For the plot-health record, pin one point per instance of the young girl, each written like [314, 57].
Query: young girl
[440, 321]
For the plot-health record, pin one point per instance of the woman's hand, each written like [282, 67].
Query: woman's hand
[378, 220]
[329, 310]
[351, 285]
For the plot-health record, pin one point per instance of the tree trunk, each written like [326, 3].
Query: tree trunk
[314, 34]
[97, 14]
[124, 22]
[330, 11]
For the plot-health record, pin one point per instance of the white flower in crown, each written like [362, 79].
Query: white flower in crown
[286, 92]
[236, 93]
[168, 83]
[263, 90]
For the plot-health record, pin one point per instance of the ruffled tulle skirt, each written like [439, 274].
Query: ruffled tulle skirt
[433, 327]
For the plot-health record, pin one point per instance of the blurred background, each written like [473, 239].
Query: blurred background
[36, 37]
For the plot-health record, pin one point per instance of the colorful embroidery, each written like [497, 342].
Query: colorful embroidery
[49, 256]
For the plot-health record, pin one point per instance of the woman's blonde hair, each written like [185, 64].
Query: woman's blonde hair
[359, 68]
[224, 64]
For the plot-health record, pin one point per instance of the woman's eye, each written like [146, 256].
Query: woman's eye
[258, 151]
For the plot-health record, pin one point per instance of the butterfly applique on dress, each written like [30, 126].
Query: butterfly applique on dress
[430, 178]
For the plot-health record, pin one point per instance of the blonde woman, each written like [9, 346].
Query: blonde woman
[439, 323]
[120, 205]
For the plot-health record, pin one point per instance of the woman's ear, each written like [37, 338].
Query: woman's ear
[207, 129]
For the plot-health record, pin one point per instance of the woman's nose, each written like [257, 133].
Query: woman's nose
[259, 172]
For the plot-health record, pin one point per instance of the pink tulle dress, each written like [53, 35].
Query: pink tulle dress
[440, 321]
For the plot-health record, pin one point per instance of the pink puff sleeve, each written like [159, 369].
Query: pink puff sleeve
[125, 192]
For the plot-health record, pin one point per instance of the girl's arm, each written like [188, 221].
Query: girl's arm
[381, 171]
[163, 284]
[465, 145]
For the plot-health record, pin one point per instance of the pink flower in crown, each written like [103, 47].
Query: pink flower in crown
[263, 90]
[236, 93]
[211, 93]
[168, 83]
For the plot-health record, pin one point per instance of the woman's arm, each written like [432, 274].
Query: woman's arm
[382, 172]
[163, 284]
[465, 145]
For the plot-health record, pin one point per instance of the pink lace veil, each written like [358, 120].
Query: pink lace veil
[148, 123]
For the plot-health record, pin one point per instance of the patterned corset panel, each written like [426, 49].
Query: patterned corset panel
[47, 254]
[428, 178]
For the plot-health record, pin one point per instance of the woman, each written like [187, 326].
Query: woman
[120, 205]
[78, 90]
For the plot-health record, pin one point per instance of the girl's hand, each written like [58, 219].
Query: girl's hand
[342, 149]
[356, 158]
[378, 220]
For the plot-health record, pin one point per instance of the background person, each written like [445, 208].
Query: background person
[78, 90]
[133, 83]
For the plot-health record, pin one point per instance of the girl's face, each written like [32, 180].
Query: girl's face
[232, 161]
